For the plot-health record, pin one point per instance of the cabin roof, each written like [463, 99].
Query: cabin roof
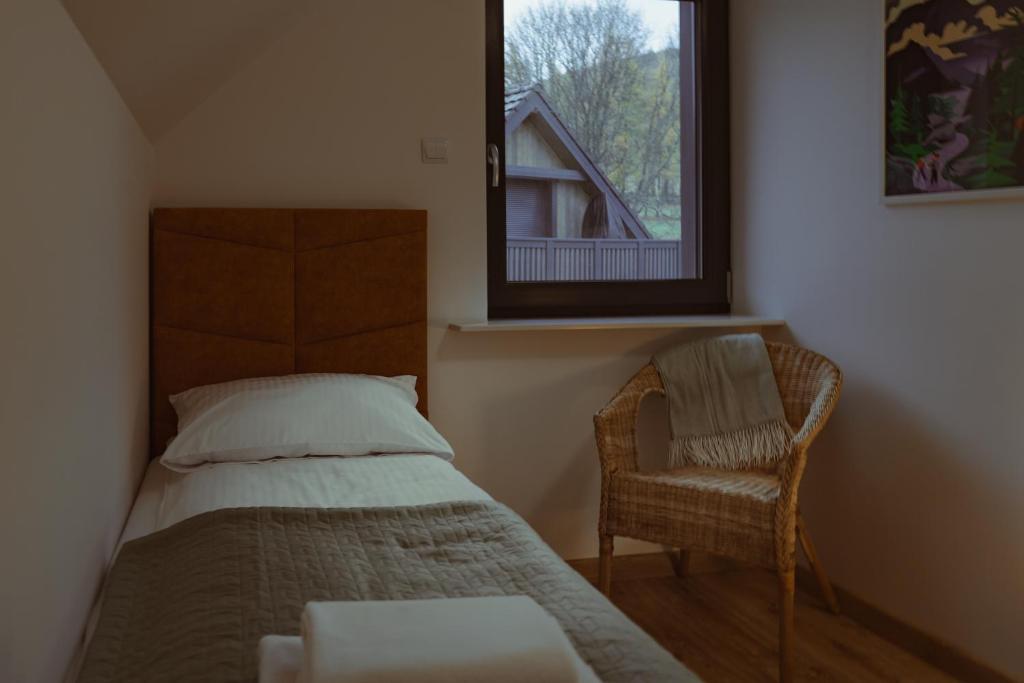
[514, 95]
[522, 101]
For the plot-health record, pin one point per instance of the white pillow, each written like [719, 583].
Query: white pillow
[296, 415]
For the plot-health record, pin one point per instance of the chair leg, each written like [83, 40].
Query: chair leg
[604, 565]
[787, 591]
[680, 561]
[819, 572]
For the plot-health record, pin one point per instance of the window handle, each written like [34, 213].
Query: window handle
[494, 159]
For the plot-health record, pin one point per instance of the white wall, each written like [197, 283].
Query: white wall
[166, 57]
[75, 173]
[916, 494]
[332, 115]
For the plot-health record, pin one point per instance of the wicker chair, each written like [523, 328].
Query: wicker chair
[749, 515]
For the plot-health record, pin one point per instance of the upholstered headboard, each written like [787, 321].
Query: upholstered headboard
[239, 293]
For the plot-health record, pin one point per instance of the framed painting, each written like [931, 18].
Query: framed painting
[954, 100]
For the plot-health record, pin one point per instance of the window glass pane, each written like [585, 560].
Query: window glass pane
[600, 158]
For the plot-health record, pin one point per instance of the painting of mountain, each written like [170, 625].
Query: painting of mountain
[954, 97]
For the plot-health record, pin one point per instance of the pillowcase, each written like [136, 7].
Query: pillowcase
[292, 416]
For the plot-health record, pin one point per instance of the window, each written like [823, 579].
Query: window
[608, 157]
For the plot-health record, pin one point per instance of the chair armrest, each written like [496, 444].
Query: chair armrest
[829, 383]
[822, 407]
[615, 424]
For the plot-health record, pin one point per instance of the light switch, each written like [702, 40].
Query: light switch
[434, 150]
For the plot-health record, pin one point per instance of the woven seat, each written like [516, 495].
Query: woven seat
[749, 515]
[676, 503]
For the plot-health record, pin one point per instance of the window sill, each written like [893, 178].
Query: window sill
[674, 322]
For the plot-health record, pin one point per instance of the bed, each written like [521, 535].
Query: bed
[214, 557]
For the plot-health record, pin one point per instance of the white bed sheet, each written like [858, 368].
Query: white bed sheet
[166, 498]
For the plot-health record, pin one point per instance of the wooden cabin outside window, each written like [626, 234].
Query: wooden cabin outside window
[608, 157]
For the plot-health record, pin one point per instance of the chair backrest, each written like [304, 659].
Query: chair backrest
[802, 376]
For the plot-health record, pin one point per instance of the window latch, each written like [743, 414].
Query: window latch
[494, 159]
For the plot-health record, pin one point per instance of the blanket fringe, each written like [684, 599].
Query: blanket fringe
[757, 446]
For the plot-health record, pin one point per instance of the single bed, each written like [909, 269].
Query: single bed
[212, 559]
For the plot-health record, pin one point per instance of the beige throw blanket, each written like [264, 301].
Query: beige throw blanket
[724, 406]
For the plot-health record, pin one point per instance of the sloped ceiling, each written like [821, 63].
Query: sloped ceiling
[167, 56]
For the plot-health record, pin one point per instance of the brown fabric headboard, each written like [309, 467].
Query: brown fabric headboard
[239, 293]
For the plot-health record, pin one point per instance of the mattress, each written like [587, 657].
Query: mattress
[378, 527]
[166, 498]
[191, 602]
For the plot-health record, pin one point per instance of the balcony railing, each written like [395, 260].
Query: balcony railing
[547, 259]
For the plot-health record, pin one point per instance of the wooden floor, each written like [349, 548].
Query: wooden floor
[722, 625]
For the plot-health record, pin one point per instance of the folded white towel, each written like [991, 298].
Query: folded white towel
[280, 659]
[499, 640]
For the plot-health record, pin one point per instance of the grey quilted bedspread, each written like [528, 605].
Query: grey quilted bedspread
[191, 602]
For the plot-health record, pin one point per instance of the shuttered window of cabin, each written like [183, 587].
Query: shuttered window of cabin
[528, 208]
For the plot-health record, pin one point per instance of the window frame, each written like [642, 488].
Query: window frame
[709, 293]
